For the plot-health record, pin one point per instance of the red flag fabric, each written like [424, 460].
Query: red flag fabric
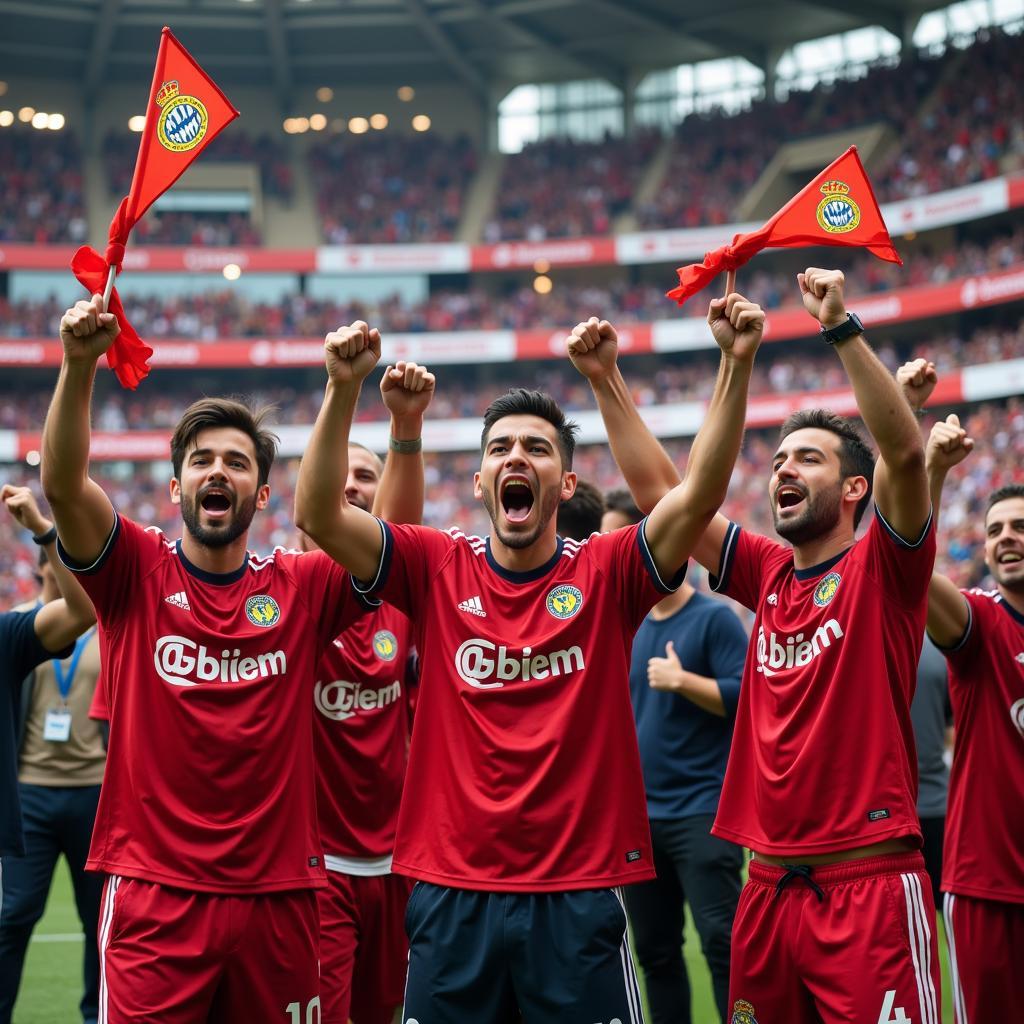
[186, 112]
[837, 208]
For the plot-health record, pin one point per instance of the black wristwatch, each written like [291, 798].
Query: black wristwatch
[841, 332]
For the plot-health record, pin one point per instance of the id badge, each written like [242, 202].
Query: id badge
[57, 727]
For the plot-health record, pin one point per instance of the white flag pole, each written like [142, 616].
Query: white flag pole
[109, 288]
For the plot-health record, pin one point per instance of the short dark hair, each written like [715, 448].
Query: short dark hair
[1004, 494]
[855, 457]
[210, 413]
[580, 516]
[622, 501]
[523, 402]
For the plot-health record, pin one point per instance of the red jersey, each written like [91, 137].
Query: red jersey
[984, 849]
[823, 755]
[524, 772]
[210, 776]
[361, 733]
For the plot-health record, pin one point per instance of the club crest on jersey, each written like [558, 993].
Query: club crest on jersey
[1017, 714]
[262, 610]
[837, 213]
[826, 589]
[182, 121]
[385, 645]
[742, 1013]
[564, 602]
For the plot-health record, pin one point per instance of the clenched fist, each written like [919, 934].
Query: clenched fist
[593, 347]
[350, 353]
[86, 331]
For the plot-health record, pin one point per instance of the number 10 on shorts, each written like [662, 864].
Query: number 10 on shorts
[888, 1015]
[294, 1011]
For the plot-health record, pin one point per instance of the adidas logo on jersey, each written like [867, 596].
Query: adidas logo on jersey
[179, 600]
[181, 662]
[474, 606]
[341, 699]
[794, 651]
[486, 666]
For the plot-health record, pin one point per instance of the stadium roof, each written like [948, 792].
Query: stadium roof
[487, 46]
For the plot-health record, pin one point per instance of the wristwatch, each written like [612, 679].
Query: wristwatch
[841, 332]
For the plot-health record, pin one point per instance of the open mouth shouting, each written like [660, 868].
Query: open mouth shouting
[517, 498]
[1010, 557]
[216, 502]
[788, 497]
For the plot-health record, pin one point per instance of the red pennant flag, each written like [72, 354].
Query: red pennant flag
[186, 112]
[837, 208]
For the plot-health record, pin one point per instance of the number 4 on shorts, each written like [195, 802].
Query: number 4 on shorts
[890, 1015]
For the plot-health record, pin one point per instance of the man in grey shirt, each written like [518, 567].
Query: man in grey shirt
[930, 715]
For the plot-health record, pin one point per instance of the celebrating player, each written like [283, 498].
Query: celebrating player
[206, 824]
[981, 633]
[836, 923]
[524, 801]
[363, 700]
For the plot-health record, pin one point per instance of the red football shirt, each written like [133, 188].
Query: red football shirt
[524, 772]
[210, 775]
[361, 734]
[984, 850]
[823, 755]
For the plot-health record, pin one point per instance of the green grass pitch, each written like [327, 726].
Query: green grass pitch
[51, 987]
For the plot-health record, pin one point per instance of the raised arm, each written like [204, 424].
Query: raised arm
[84, 516]
[680, 522]
[648, 471]
[948, 613]
[406, 390]
[58, 623]
[348, 534]
[900, 485]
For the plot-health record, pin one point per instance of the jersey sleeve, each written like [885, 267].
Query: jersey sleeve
[99, 709]
[22, 648]
[409, 559]
[329, 592]
[745, 561]
[129, 553]
[963, 654]
[902, 567]
[625, 559]
[726, 645]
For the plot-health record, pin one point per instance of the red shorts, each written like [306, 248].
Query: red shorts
[364, 954]
[986, 953]
[854, 941]
[178, 957]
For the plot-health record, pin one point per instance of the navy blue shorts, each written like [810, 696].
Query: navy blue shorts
[500, 958]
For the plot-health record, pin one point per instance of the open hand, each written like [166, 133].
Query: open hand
[351, 353]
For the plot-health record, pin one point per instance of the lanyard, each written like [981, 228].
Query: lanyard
[64, 681]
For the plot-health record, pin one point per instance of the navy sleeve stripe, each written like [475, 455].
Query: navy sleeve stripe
[720, 582]
[963, 639]
[88, 570]
[363, 587]
[677, 580]
[903, 543]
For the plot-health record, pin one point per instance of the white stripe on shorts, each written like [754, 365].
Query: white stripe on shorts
[920, 947]
[959, 1006]
[636, 1013]
[106, 917]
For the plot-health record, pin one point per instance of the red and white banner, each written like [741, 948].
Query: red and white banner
[923, 213]
[468, 347]
[680, 419]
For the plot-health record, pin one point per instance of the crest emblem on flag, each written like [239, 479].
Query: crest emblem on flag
[837, 212]
[183, 120]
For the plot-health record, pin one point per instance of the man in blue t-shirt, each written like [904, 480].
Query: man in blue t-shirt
[28, 639]
[685, 682]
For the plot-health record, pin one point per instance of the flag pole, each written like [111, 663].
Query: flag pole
[111, 274]
[730, 282]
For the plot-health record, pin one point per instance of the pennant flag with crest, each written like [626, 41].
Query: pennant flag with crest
[185, 113]
[837, 208]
